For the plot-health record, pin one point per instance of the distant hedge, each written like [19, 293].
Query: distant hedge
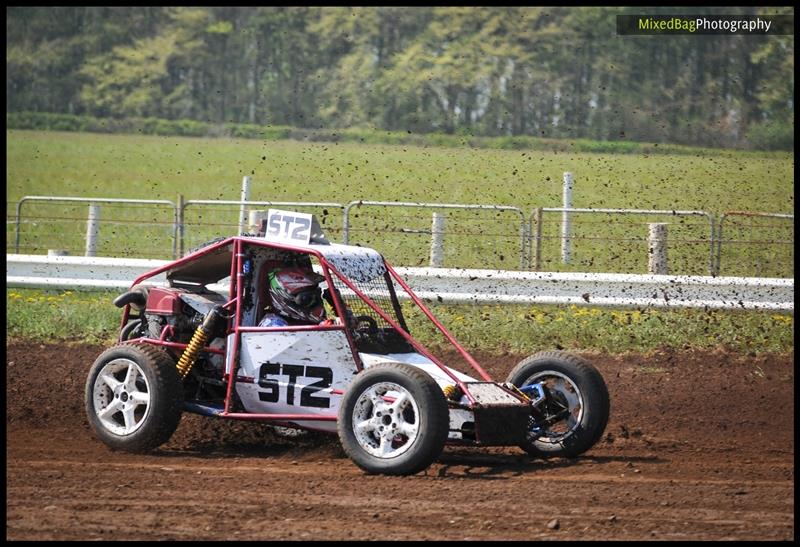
[44, 121]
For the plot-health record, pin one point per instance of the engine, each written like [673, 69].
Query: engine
[182, 311]
[172, 307]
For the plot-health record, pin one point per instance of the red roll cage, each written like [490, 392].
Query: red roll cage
[234, 326]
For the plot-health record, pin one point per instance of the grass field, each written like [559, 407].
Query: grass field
[89, 316]
[151, 167]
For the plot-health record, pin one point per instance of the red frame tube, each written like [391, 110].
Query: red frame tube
[237, 253]
[292, 328]
[176, 345]
[278, 417]
[419, 347]
[464, 353]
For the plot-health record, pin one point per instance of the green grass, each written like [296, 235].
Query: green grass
[527, 328]
[52, 315]
[151, 167]
[154, 167]
[90, 316]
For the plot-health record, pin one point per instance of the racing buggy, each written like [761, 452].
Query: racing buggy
[203, 341]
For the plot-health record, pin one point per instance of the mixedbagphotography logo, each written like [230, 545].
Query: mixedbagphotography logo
[705, 24]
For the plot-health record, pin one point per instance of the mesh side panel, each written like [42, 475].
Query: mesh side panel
[426, 332]
[378, 291]
[410, 317]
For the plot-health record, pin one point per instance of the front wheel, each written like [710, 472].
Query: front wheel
[571, 406]
[133, 397]
[393, 420]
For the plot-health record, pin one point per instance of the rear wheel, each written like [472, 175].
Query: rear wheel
[133, 397]
[393, 420]
[575, 407]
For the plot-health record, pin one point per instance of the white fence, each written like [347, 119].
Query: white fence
[460, 285]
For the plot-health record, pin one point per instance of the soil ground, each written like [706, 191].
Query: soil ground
[700, 446]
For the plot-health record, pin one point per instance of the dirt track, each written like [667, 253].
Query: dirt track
[700, 446]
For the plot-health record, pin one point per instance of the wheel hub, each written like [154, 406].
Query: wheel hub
[561, 408]
[121, 397]
[385, 420]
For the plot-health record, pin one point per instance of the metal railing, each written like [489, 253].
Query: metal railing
[523, 234]
[751, 228]
[458, 285]
[536, 223]
[91, 202]
[474, 231]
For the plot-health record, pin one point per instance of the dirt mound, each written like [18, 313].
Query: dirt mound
[700, 445]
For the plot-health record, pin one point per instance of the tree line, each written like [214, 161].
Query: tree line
[480, 71]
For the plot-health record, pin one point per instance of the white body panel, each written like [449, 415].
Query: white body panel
[295, 373]
[418, 361]
[360, 264]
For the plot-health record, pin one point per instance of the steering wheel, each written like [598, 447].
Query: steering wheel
[372, 325]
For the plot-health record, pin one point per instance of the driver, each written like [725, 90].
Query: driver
[296, 298]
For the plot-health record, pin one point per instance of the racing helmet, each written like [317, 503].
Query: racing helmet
[296, 294]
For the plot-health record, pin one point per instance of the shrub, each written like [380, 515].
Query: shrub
[771, 136]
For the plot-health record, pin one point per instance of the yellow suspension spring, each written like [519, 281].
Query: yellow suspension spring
[191, 352]
[512, 387]
[452, 392]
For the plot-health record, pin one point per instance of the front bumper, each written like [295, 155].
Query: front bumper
[499, 417]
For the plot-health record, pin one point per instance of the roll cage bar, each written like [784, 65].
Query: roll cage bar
[234, 326]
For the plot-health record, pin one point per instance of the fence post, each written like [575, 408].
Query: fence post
[718, 260]
[437, 241]
[565, 220]
[243, 208]
[179, 230]
[525, 244]
[657, 249]
[16, 225]
[537, 239]
[92, 229]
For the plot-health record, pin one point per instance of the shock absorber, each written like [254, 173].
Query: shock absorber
[452, 392]
[205, 331]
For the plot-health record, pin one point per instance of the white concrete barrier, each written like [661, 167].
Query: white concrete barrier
[459, 285]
